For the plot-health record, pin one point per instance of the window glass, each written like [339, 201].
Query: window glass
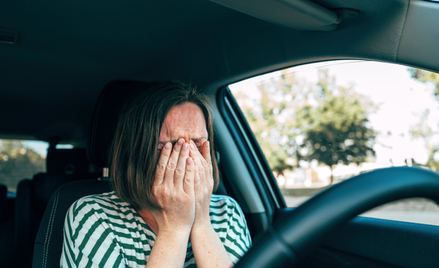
[64, 146]
[323, 123]
[20, 160]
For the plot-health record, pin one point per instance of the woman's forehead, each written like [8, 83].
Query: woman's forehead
[184, 121]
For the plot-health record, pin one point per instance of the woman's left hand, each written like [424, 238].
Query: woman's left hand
[203, 184]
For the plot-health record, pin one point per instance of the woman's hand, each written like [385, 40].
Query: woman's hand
[203, 184]
[206, 244]
[174, 189]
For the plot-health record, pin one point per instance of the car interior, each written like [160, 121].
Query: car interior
[67, 67]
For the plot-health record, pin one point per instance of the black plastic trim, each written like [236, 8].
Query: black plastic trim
[257, 149]
[403, 244]
[243, 147]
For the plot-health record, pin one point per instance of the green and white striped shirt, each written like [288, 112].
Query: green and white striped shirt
[104, 231]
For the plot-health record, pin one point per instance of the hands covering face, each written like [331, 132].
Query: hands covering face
[203, 183]
[183, 186]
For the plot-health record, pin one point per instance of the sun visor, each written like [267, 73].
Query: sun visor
[295, 14]
[418, 45]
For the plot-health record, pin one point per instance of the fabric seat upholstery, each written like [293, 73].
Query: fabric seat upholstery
[3, 199]
[6, 227]
[63, 166]
[48, 243]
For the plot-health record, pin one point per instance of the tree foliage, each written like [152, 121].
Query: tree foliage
[425, 132]
[271, 120]
[295, 120]
[18, 162]
[336, 130]
[422, 129]
[426, 77]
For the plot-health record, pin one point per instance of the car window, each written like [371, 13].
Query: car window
[21, 159]
[323, 123]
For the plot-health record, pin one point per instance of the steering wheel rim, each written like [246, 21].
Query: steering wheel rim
[291, 238]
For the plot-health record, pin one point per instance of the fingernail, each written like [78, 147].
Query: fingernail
[180, 141]
[207, 145]
[192, 146]
[184, 146]
[168, 146]
[189, 161]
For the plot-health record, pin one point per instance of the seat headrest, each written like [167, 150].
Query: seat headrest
[104, 120]
[67, 161]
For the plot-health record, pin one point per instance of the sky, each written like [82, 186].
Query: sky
[41, 147]
[401, 101]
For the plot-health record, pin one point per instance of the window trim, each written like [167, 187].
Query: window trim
[250, 151]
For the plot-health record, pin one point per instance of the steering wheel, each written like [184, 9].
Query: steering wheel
[290, 239]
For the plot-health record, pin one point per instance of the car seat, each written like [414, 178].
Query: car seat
[63, 166]
[49, 240]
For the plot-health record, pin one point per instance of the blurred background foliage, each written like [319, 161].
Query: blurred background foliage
[426, 77]
[336, 129]
[298, 121]
[18, 162]
[422, 130]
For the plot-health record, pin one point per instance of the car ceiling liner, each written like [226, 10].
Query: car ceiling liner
[295, 14]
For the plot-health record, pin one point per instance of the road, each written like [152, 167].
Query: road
[416, 210]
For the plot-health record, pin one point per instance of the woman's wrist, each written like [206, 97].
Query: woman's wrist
[175, 234]
[208, 249]
[169, 249]
[201, 228]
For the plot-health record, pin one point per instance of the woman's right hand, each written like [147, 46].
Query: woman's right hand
[174, 189]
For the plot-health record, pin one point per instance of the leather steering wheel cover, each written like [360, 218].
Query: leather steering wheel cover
[305, 227]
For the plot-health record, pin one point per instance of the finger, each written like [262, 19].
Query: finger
[172, 162]
[188, 184]
[197, 180]
[181, 165]
[203, 166]
[205, 151]
[200, 172]
[194, 151]
[206, 154]
[161, 164]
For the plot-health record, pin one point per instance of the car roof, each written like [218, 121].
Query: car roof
[68, 50]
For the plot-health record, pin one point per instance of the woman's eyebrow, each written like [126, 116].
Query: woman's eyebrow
[200, 139]
[174, 141]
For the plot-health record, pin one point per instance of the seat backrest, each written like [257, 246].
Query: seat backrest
[63, 166]
[6, 227]
[67, 161]
[48, 243]
[3, 199]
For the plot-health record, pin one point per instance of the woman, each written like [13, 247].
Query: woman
[162, 212]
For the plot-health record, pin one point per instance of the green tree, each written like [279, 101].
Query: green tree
[426, 77]
[271, 118]
[425, 132]
[18, 162]
[422, 129]
[283, 116]
[336, 130]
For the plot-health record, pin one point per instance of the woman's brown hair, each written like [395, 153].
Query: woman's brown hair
[133, 153]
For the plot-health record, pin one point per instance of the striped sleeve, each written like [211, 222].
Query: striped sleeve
[88, 241]
[238, 240]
